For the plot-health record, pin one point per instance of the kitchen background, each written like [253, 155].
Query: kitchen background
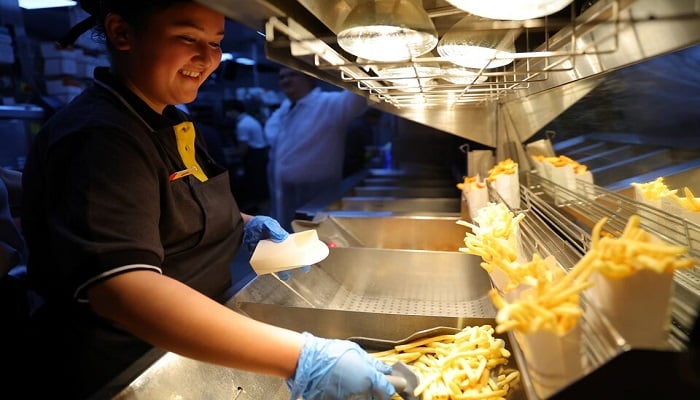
[655, 102]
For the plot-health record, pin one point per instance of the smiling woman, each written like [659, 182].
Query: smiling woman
[133, 247]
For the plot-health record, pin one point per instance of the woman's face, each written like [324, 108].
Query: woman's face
[175, 53]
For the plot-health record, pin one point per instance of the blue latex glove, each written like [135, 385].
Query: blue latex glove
[263, 227]
[285, 275]
[330, 369]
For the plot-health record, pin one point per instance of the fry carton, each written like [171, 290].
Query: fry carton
[633, 282]
[565, 178]
[539, 162]
[547, 331]
[587, 178]
[566, 172]
[474, 196]
[504, 179]
[687, 207]
[553, 361]
[651, 194]
[643, 320]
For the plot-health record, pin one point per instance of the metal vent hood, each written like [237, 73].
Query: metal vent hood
[559, 59]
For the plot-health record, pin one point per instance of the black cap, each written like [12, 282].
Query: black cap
[74, 33]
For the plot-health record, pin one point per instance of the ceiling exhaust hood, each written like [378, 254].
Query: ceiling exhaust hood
[558, 59]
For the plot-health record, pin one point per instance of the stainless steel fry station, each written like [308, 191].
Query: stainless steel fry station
[576, 83]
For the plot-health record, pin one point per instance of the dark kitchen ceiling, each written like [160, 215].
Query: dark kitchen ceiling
[52, 23]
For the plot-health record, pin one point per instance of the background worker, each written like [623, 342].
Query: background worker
[252, 149]
[307, 139]
[131, 226]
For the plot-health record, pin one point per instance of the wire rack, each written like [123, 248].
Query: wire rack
[435, 80]
[544, 231]
[558, 222]
[573, 213]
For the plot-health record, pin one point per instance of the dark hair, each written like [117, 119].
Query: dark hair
[135, 12]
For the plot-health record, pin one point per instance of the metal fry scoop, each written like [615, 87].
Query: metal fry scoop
[404, 381]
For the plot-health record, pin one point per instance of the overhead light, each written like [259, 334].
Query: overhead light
[37, 4]
[388, 30]
[245, 61]
[409, 78]
[465, 45]
[510, 9]
[462, 76]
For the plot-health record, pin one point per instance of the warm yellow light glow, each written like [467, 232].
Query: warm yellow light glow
[410, 78]
[388, 30]
[38, 4]
[510, 9]
[476, 48]
[462, 76]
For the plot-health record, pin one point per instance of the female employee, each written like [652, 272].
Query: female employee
[131, 226]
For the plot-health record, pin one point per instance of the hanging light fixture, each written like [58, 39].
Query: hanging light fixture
[410, 78]
[462, 76]
[510, 9]
[388, 30]
[477, 48]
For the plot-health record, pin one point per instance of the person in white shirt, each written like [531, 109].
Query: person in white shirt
[307, 139]
[253, 150]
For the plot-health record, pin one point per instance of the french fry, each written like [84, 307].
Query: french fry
[469, 182]
[654, 190]
[505, 167]
[634, 250]
[468, 365]
[561, 161]
[689, 202]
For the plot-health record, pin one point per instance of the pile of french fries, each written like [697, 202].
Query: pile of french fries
[561, 160]
[471, 364]
[493, 237]
[635, 249]
[552, 302]
[655, 189]
[494, 219]
[505, 167]
[552, 305]
[689, 202]
[470, 181]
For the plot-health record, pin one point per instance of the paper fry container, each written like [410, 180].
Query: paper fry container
[638, 306]
[552, 361]
[477, 198]
[298, 249]
[565, 177]
[672, 207]
[499, 280]
[586, 177]
[508, 187]
[541, 168]
[639, 196]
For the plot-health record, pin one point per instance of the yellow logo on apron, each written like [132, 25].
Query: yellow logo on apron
[184, 135]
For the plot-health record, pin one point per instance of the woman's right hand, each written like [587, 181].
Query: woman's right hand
[331, 369]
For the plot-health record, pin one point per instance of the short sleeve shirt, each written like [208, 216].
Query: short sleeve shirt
[98, 200]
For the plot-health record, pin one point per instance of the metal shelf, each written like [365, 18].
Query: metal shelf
[589, 33]
[558, 222]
